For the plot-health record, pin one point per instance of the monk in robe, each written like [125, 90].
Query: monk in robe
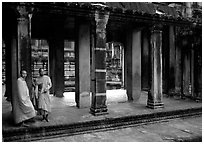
[23, 109]
[43, 84]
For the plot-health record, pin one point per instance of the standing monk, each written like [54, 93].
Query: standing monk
[22, 106]
[43, 84]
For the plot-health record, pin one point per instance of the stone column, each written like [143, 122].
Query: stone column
[155, 93]
[145, 61]
[8, 92]
[172, 61]
[56, 57]
[24, 44]
[178, 76]
[83, 65]
[59, 68]
[192, 89]
[51, 63]
[133, 63]
[198, 67]
[128, 63]
[165, 59]
[98, 104]
[186, 70]
[14, 67]
[136, 64]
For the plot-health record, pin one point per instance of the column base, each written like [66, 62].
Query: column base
[178, 95]
[171, 92]
[98, 111]
[154, 105]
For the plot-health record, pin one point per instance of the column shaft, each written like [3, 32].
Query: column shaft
[186, 72]
[172, 61]
[136, 64]
[56, 57]
[24, 45]
[98, 105]
[178, 76]
[14, 68]
[145, 61]
[128, 64]
[155, 95]
[8, 92]
[56, 63]
[192, 73]
[83, 66]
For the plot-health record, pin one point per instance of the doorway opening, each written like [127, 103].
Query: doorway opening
[69, 72]
[69, 66]
[115, 91]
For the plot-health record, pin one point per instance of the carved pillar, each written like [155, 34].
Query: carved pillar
[98, 106]
[155, 93]
[24, 44]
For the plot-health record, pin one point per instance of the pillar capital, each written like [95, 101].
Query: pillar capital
[24, 14]
[156, 28]
[101, 22]
[22, 11]
[101, 15]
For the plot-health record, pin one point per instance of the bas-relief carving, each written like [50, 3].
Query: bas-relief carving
[101, 22]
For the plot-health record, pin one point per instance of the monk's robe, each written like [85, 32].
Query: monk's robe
[22, 106]
[44, 84]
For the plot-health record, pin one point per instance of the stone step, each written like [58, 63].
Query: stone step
[37, 133]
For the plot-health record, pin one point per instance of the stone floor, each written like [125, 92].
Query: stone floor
[64, 112]
[174, 130]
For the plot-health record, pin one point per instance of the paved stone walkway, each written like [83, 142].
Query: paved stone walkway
[174, 130]
[63, 113]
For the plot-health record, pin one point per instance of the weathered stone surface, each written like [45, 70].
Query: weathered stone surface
[98, 105]
[155, 94]
[83, 66]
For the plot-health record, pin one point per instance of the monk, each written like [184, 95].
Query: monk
[43, 84]
[23, 109]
